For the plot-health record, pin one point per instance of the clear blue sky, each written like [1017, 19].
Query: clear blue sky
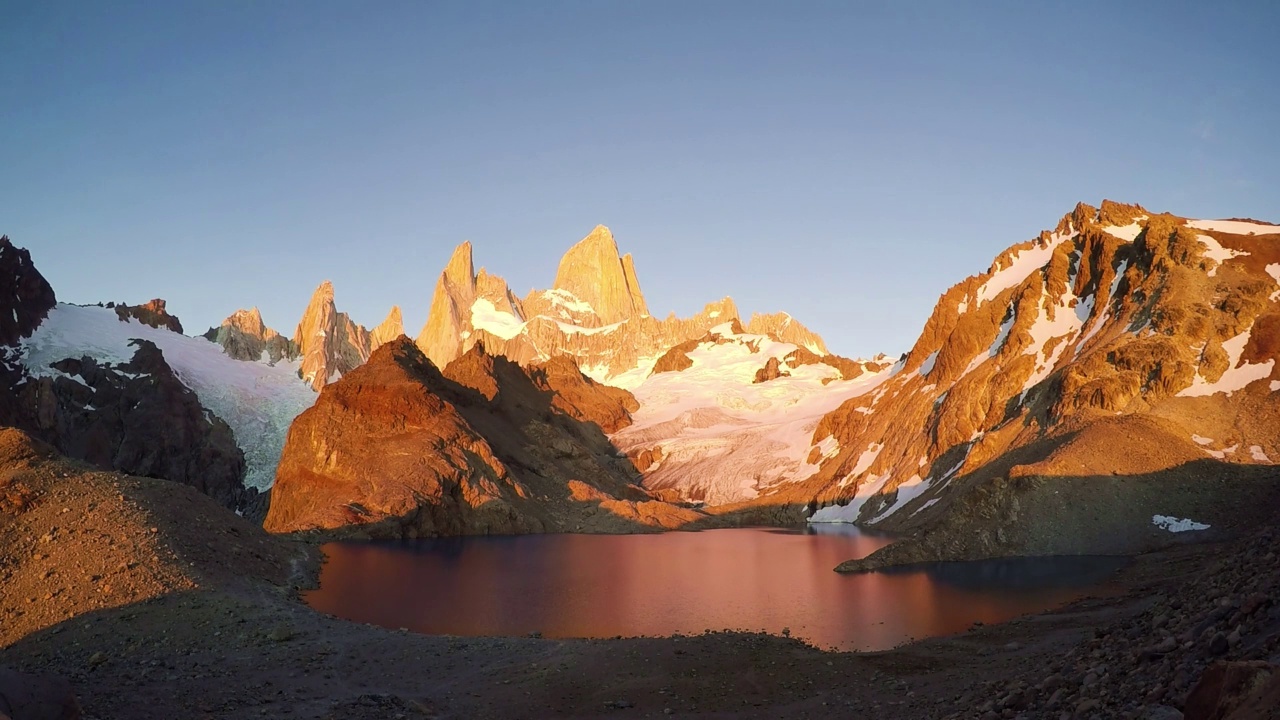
[844, 161]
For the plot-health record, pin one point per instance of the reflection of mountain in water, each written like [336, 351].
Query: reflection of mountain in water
[1018, 573]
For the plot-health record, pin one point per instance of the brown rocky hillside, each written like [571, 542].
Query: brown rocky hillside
[398, 449]
[1159, 328]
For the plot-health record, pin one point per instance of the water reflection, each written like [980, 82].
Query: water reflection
[747, 579]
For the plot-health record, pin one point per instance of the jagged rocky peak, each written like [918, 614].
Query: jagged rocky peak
[462, 298]
[390, 329]
[1120, 314]
[329, 342]
[244, 336]
[30, 297]
[594, 274]
[785, 328]
[152, 313]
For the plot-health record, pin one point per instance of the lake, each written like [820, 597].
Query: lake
[754, 579]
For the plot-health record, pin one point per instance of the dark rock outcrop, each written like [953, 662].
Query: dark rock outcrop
[244, 336]
[151, 313]
[136, 417]
[29, 298]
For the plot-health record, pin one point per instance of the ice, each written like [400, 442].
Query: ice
[1175, 525]
[766, 428]
[257, 400]
[1235, 227]
[1235, 378]
[500, 323]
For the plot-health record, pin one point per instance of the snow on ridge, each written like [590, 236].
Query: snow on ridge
[1214, 251]
[1234, 227]
[257, 400]
[1176, 525]
[1020, 268]
[1273, 270]
[926, 367]
[1234, 378]
[1128, 233]
[567, 300]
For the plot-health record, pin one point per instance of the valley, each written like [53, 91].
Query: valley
[1105, 390]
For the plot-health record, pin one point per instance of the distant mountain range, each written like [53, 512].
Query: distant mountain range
[1092, 378]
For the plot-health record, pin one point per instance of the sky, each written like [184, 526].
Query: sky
[844, 161]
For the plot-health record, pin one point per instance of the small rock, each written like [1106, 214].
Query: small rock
[1219, 645]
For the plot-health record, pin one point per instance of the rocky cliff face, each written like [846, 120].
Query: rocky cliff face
[594, 314]
[398, 449]
[132, 415]
[386, 331]
[136, 417]
[244, 336]
[30, 298]
[786, 329]
[1117, 311]
[331, 344]
[592, 272]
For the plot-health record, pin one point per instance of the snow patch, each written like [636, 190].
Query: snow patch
[1019, 269]
[567, 300]
[927, 366]
[1255, 451]
[1201, 440]
[1234, 227]
[1128, 233]
[849, 513]
[1235, 378]
[1175, 525]
[907, 491]
[1274, 271]
[1214, 251]
[500, 323]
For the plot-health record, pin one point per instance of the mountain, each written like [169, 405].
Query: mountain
[1093, 377]
[243, 336]
[90, 383]
[395, 448]
[595, 314]
[389, 329]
